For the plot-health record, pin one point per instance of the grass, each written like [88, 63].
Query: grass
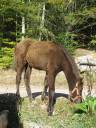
[62, 118]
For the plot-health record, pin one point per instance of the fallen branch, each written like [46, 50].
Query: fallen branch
[88, 64]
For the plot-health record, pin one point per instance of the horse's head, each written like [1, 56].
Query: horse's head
[76, 93]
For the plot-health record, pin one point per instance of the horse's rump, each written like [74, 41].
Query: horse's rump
[20, 52]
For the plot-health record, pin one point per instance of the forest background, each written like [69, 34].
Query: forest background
[71, 23]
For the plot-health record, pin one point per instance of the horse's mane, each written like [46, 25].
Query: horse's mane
[72, 61]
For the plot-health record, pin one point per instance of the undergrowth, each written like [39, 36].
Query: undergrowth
[63, 116]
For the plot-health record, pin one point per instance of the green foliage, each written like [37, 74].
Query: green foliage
[71, 23]
[67, 40]
[6, 54]
[46, 34]
[6, 57]
[87, 106]
[62, 117]
[92, 44]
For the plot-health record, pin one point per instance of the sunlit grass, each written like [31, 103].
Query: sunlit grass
[62, 117]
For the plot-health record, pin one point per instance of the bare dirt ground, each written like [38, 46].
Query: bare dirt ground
[7, 83]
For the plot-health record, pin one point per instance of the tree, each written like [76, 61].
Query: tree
[42, 21]
[71, 23]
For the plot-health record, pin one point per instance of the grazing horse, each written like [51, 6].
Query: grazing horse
[52, 58]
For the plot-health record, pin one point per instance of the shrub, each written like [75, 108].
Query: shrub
[92, 44]
[67, 40]
[6, 54]
[87, 106]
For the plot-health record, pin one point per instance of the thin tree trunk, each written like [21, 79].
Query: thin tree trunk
[42, 21]
[16, 26]
[27, 22]
[23, 27]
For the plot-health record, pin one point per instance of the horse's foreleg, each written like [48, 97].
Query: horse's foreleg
[44, 93]
[27, 81]
[51, 81]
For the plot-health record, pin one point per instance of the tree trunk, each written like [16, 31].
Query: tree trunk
[16, 26]
[42, 21]
[23, 27]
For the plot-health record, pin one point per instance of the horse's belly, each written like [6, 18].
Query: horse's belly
[38, 63]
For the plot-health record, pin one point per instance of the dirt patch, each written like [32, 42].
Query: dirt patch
[8, 78]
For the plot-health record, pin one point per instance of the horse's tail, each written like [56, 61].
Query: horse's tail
[14, 60]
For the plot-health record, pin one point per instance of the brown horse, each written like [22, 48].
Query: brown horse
[52, 58]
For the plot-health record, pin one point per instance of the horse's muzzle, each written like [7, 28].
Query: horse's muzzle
[77, 99]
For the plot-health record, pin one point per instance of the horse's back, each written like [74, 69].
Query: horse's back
[38, 53]
[41, 53]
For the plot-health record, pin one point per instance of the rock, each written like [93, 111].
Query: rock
[85, 63]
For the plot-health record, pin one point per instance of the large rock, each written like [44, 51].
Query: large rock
[86, 63]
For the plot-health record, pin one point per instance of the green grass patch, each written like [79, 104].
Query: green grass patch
[6, 57]
[63, 116]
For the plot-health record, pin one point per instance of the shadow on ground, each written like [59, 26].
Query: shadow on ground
[11, 102]
[57, 95]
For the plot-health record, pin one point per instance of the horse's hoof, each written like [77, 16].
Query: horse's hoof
[50, 113]
[31, 99]
[17, 94]
[43, 96]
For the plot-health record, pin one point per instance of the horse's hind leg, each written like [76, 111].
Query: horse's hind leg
[18, 79]
[27, 74]
[44, 93]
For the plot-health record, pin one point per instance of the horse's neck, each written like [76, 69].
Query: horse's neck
[70, 69]
[71, 76]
